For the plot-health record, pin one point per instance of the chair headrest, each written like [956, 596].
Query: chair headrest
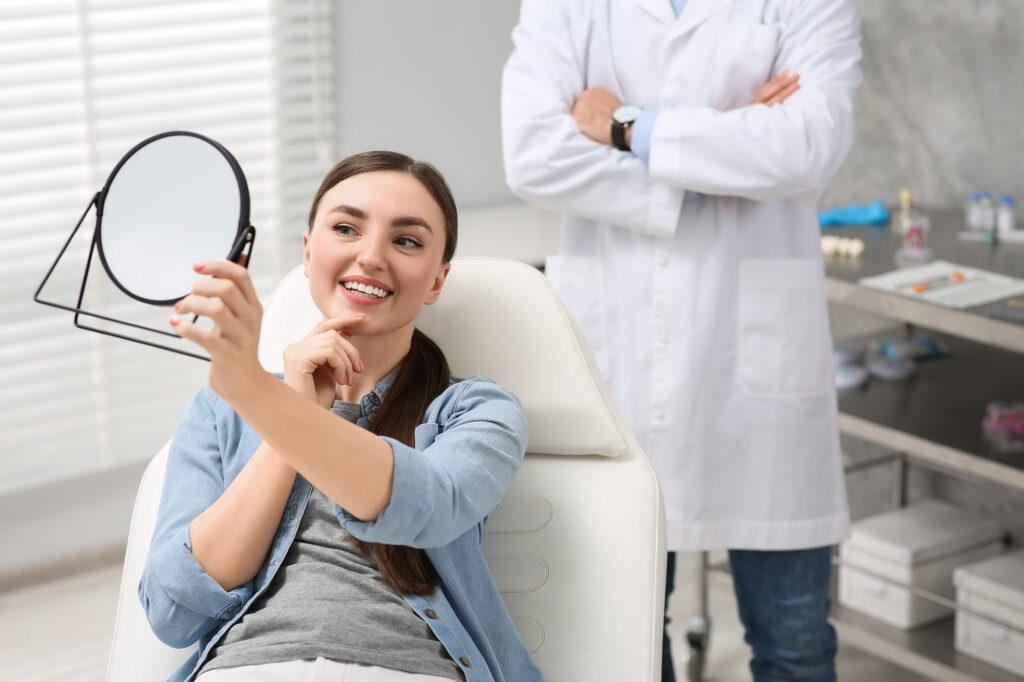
[502, 319]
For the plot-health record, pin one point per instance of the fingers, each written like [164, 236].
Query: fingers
[784, 95]
[344, 366]
[192, 332]
[326, 349]
[225, 269]
[778, 88]
[224, 289]
[341, 324]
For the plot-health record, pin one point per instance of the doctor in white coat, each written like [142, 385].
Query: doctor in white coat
[690, 256]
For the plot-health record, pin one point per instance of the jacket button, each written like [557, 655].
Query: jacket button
[464, 660]
[431, 613]
[374, 399]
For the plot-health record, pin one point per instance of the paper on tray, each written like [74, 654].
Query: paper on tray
[978, 286]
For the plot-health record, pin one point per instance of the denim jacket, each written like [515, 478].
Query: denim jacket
[468, 449]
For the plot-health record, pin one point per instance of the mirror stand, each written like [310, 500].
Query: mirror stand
[241, 249]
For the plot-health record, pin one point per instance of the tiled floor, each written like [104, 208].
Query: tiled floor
[60, 632]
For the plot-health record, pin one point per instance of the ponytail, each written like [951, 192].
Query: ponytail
[424, 375]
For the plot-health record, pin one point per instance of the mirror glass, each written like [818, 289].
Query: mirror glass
[173, 200]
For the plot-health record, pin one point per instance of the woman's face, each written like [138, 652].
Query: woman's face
[375, 248]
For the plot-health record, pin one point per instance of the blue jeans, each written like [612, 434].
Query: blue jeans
[783, 604]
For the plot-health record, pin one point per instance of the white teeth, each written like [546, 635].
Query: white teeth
[365, 288]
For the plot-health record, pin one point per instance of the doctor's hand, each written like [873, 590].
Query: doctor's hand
[778, 89]
[593, 111]
[315, 365]
[229, 299]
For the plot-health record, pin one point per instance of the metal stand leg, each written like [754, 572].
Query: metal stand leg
[698, 634]
[899, 487]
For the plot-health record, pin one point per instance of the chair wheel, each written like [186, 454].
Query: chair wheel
[698, 638]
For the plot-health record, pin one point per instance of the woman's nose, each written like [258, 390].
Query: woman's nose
[371, 256]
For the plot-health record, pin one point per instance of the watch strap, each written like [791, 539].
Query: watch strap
[619, 134]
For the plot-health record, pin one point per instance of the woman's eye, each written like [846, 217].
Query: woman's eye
[408, 242]
[344, 229]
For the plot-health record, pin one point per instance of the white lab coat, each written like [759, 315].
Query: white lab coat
[707, 316]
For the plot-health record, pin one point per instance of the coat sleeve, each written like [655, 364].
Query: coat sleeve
[462, 465]
[768, 153]
[182, 602]
[548, 162]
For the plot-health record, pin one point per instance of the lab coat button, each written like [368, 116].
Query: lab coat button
[431, 613]
[464, 660]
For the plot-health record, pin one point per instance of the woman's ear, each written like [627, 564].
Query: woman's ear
[305, 253]
[435, 289]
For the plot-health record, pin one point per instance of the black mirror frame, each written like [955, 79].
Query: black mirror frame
[244, 240]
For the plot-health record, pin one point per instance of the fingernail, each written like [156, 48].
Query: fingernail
[198, 267]
[177, 306]
[174, 320]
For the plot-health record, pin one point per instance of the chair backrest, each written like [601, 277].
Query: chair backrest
[576, 547]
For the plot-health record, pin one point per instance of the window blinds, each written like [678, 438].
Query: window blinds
[81, 82]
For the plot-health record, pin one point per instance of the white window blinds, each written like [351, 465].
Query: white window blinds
[81, 82]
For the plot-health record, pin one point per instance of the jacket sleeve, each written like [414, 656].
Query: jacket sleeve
[548, 162]
[182, 602]
[767, 153]
[458, 473]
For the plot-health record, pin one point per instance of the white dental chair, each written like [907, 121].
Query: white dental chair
[577, 547]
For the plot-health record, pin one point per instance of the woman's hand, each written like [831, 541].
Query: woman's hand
[229, 299]
[316, 364]
[778, 89]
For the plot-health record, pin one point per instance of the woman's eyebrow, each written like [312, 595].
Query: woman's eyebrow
[409, 220]
[350, 210]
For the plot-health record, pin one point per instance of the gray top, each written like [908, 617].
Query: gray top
[328, 600]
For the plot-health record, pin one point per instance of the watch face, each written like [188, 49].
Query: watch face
[627, 113]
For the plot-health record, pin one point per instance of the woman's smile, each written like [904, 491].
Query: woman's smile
[364, 290]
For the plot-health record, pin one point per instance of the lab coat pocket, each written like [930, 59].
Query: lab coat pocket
[579, 281]
[744, 58]
[783, 343]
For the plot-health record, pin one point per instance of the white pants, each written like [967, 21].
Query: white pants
[320, 670]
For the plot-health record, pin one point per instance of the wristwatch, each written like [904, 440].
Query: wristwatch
[622, 118]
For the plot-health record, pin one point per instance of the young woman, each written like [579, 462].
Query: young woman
[328, 526]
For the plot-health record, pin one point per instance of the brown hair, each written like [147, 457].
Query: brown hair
[424, 373]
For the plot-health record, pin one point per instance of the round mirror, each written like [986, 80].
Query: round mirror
[174, 199]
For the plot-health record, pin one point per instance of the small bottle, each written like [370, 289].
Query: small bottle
[972, 209]
[914, 225]
[905, 213]
[1006, 218]
[986, 213]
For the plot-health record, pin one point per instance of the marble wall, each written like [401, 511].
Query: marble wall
[940, 107]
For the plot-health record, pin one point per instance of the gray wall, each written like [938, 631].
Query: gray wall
[424, 78]
[941, 103]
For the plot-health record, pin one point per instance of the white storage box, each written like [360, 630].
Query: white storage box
[919, 545]
[994, 587]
